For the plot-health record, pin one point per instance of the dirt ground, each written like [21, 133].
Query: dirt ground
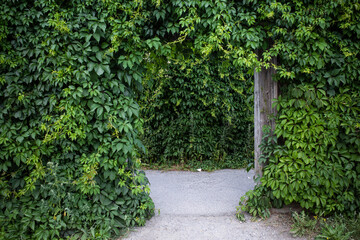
[202, 206]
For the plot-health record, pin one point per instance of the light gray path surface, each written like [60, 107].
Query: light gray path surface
[202, 206]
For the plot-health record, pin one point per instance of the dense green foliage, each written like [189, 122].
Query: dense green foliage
[196, 103]
[314, 157]
[70, 72]
[68, 120]
[194, 116]
[318, 163]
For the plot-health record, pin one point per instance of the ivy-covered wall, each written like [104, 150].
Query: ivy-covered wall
[69, 124]
[70, 72]
[313, 158]
[317, 159]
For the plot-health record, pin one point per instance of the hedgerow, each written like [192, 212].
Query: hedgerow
[313, 156]
[69, 123]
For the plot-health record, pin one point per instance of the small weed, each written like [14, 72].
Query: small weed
[336, 227]
[334, 232]
[303, 224]
[240, 214]
[341, 227]
[353, 225]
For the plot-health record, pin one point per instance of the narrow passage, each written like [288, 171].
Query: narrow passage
[202, 206]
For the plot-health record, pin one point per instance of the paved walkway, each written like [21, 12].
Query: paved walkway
[202, 206]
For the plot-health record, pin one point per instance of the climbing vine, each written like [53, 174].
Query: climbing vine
[72, 74]
[69, 122]
[313, 158]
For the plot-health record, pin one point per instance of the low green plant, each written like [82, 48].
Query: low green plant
[335, 227]
[256, 202]
[340, 226]
[303, 224]
[334, 232]
[353, 225]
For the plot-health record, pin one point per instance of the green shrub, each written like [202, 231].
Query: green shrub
[256, 202]
[68, 120]
[303, 224]
[317, 164]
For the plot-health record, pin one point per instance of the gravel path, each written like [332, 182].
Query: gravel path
[202, 206]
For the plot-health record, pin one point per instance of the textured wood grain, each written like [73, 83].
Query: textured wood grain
[265, 90]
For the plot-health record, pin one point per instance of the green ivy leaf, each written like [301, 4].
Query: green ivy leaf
[99, 69]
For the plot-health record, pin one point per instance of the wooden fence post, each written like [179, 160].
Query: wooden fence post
[265, 90]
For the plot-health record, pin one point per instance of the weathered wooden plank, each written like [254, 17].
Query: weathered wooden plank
[265, 90]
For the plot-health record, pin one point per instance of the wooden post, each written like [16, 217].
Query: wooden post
[265, 90]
